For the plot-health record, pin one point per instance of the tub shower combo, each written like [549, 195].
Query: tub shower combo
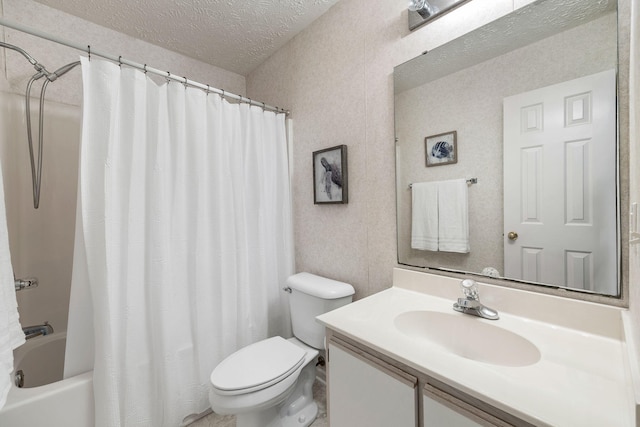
[47, 388]
[38, 389]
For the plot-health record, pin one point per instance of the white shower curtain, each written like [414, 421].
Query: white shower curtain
[186, 219]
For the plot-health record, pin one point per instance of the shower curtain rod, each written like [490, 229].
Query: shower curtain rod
[120, 60]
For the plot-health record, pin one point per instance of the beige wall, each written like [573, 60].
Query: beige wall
[42, 240]
[336, 77]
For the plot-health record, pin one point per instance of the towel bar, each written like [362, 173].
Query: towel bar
[469, 181]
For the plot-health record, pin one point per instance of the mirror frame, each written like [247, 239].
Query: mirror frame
[623, 99]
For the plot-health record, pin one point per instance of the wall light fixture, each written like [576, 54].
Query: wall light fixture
[423, 11]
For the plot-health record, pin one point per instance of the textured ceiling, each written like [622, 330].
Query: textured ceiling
[236, 35]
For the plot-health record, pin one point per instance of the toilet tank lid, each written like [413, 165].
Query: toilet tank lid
[320, 287]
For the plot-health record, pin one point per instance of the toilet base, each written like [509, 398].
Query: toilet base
[270, 418]
[303, 418]
[298, 410]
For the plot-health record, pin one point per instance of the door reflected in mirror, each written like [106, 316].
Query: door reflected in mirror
[532, 100]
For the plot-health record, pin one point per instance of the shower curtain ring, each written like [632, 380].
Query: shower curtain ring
[145, 68]
[168, 77]
[222, 95]
[120, 61]
[185, 82]
[89, 51]
[207, 91]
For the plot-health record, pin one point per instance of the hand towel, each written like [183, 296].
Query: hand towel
[453, 216]
[424, 216]
[11, 335]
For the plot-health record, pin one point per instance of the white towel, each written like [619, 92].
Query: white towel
[424, 222]
[11, 335]
[453, 216]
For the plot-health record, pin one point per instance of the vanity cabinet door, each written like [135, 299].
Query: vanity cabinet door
[365, 391]
[441, 409]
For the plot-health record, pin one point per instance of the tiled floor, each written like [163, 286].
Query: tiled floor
[319, 394]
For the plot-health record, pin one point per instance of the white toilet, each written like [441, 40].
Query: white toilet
[268, 383]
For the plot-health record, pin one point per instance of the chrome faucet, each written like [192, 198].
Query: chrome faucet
[27, 283]
[470, 304]
[37, 330]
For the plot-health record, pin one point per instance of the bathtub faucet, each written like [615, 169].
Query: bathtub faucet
[27, 283]
[37, 330]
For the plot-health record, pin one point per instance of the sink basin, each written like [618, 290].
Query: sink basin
[469, 337]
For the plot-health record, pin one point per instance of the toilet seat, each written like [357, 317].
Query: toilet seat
[257, 366]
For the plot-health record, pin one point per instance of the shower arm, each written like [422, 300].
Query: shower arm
[39, 67]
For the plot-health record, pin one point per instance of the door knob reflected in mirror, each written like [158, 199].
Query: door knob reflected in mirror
[512, 235]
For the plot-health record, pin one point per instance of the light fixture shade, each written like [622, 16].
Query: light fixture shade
[422, 11]
[422, 7]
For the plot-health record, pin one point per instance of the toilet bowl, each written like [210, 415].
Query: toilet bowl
[261, 396]
[269, 383]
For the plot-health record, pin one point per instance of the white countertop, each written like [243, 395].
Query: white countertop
[582, 378]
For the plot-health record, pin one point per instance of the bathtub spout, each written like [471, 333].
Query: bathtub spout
[37, 330]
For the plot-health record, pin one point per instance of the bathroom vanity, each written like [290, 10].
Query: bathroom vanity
[404, 357]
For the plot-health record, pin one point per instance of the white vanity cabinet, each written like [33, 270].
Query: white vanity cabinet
[365, 391]
[406, 327]
[440, 409]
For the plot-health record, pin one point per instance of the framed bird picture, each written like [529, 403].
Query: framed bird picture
[441, 149]
[330, 176]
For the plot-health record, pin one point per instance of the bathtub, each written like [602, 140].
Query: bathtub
[46, 400]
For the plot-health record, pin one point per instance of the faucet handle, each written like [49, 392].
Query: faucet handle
[470, 289]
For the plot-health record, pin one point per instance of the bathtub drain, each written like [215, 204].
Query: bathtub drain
[19, 378]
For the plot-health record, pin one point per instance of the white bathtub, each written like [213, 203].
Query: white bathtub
[61, 403]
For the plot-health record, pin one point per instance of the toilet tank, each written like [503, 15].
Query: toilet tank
[312, 296]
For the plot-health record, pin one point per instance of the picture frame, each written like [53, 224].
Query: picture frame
[330, 183]
[441, 149]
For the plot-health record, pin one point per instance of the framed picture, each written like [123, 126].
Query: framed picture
[330, 175]
[441, 149]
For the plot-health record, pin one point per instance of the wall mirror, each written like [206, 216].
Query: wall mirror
[532, 101]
